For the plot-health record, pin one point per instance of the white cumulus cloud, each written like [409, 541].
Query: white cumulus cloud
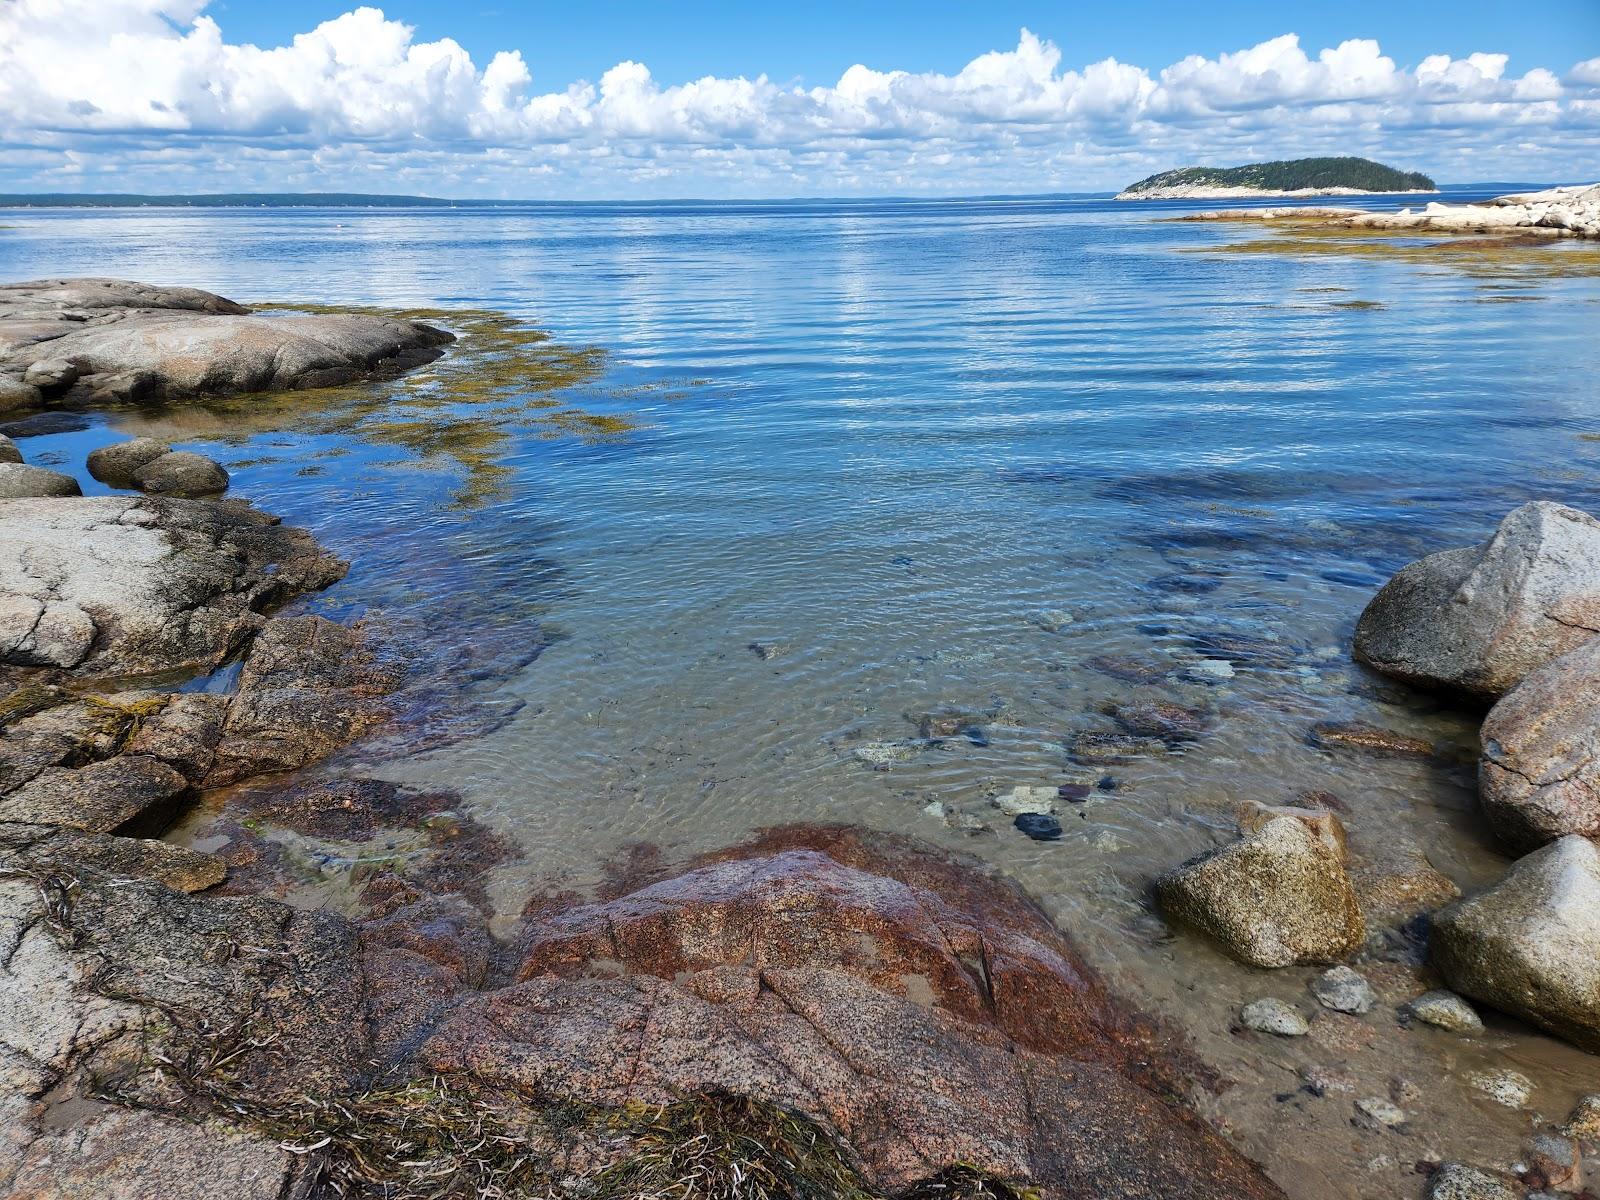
[160, 99]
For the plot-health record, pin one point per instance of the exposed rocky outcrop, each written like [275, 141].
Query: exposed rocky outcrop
[1530, 945]
[113, 586]
[1539, 777]
[1479, 619]
[923, 1014]
[1276, 897]
[1555, 212]
[90, 341]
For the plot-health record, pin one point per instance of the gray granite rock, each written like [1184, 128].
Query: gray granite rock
[1270, 1015]
[19, 481]
[115, 585]
[1445, 1010]
[1530, 945]
[1479, 619]
[117, 464]
[1539, 776]
[95, 340]
[1343, 990]
[182, 473]
[1274, 898]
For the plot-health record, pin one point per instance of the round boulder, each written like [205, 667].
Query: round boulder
[1477, 620]
[1530, 945]
[1277, 897]
[8, 450]
[1539, 777]
[18, 481]
[16, 394]
[181, 473]
[116, 465]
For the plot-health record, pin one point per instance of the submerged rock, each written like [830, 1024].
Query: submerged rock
[1276, 897]
[308, 686]
[116, 465]
[112, 585]
[1539, 777]
[1097, 747]
[1479, 619]
[1445, 1010]
[1343, 990]
[1357, 735]
[1172, 723]
[19, 481]
[1270, 1015]
[1530, 945]
[131, 341]
[1041, 827]
[1511, 1089]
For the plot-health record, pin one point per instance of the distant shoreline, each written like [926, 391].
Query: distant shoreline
[1203, 192]
[90, 200]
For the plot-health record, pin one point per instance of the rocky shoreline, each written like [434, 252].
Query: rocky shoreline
[824, 1009]
[1554, 213]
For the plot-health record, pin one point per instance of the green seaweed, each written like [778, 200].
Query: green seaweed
[465, 411]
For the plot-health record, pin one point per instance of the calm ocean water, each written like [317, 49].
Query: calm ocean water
[894, 458]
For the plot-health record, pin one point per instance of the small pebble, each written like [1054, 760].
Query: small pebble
[1343, 990]
[1404, 1091]
[1503, 1087]
[1446, 1010]
[1379, 1111]
[881, 755]
[1325, 1081]
[1027, 799]
[1270, 1015]
[1041, 827]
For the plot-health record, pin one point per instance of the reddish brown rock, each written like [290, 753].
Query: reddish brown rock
[927, 1013]
[1369, 739]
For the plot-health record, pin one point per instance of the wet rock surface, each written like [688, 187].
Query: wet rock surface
[116, 586]
[1539, 777]
[1530, 945]
[1276, 897]
[308, 686]
[1479, 619]
[100, 340]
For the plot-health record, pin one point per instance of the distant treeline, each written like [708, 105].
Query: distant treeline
[225, 200]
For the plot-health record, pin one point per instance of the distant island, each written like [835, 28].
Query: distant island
[1294, 177]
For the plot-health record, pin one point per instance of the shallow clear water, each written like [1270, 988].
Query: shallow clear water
[902, 457]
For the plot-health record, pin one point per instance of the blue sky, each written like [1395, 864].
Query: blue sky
[818, 40]
[499, 99]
